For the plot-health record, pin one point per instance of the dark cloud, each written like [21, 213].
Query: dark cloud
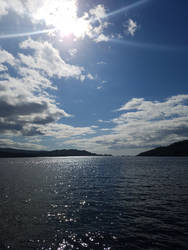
[45, 120]
[22, 108]
[31, 132]
[5, 126]
[26, 117]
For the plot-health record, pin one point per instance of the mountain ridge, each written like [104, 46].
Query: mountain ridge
[11, 152]
[175, 149]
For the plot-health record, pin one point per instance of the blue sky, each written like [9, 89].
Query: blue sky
[105, 76]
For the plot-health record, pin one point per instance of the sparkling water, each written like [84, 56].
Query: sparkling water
[94, 203]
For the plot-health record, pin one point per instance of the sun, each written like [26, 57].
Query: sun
[62, 15]
[76, 27]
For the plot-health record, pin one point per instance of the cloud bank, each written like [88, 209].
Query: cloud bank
[143, 124]
[26, 106]
[62, 16]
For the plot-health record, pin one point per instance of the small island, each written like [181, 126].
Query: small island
[10, 152]
[175, 149]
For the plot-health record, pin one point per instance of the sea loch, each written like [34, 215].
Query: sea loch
[94, 203]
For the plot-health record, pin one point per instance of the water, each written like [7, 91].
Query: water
[94, 203]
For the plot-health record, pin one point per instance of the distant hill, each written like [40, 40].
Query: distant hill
[175, 149]
[10, 152]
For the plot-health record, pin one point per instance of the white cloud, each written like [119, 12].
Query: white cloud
[26, 107]
[90, 76]
[25, 104]
[66, 131]
[98, 12]
[73, 52]
[102, 38]
[143, 125]
[22, 111]
[153, 122]
[155, 110]
[62, 15]
[29, 7]
[34, 80]
[3, 68]
[82, 78]
[133, 104]
[6, 57]
[48, 59]
[5, 142]
[3, 8]
[99, 87]
[132, 27]
[6, 5]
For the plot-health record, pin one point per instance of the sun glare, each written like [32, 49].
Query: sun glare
[62, 15]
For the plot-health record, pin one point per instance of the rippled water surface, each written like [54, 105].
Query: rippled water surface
[94, 203]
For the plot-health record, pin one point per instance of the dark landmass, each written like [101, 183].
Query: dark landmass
[10, 152]
[175, 149]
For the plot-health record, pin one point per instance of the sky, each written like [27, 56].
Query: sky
[103, 76]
